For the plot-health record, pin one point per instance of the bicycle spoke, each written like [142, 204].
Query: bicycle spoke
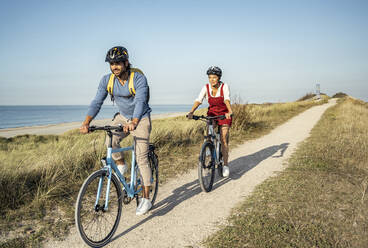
[89, 224]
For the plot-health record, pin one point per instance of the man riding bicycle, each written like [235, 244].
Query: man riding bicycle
[218, 95]
[129, 89]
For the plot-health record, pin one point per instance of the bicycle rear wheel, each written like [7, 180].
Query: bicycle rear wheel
[153, 160]
[206, 167]
[153, 163]
[95, 224]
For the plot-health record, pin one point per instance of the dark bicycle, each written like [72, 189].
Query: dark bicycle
[211, 155]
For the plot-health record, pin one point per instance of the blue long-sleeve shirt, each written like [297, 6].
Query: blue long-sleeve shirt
[129, 106]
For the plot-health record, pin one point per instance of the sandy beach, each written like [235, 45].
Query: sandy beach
[63, 127]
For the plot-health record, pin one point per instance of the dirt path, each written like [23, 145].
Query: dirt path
[184, 215]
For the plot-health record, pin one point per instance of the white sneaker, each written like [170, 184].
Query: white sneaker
[140, 201]
[225, 171]
[143, 206]
[122, 169]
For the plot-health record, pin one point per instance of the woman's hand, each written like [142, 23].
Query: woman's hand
[190, 115]
[228, 115]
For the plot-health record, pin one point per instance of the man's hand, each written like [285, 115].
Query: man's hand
[85, 125]
[84, 128]
[131, 125]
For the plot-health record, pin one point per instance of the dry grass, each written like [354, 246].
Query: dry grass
[340, 95]
[310, 96]
[306, 97]
[320, 200]
[41, 175]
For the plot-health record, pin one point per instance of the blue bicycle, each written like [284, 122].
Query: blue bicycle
[100, 199]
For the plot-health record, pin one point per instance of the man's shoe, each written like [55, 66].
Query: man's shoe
[143, 206]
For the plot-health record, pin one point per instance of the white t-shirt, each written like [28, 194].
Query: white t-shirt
[203, 93]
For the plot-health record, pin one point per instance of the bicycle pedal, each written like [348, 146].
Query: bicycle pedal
[126, 198]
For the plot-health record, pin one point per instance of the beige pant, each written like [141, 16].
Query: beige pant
[141, 137]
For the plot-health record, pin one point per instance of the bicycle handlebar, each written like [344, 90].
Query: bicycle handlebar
[106, 128]
[197, 117]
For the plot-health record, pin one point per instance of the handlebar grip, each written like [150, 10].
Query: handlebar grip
[91, 128]
[194, 117]
[224, 116]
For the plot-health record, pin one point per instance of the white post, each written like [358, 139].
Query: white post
[318, 92]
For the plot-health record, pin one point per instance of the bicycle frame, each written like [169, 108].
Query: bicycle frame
[110, 166]
[215, 137]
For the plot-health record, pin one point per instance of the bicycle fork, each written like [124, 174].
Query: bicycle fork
[129, 188]
[100, 184]
[99, 191]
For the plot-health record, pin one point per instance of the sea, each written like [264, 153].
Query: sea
[32, 115]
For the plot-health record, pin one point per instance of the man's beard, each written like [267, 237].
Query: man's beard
[121, 73]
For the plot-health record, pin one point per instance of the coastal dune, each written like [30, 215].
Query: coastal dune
[63, 127]
[183, 215]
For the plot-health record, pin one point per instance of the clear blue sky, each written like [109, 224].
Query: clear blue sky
[52, 52]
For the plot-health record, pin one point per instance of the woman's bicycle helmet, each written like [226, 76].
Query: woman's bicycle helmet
[214, 70]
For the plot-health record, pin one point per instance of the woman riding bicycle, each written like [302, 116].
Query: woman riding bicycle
[218, 96]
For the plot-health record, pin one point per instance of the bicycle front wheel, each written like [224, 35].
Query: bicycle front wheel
[206, 167]
[219, 166]
[95, 224]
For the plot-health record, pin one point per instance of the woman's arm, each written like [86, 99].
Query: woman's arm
[230, 111]
[198, 102]
[227, 101]
[195, 106]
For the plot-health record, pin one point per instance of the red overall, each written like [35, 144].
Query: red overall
[218, 106]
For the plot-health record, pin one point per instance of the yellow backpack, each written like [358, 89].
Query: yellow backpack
[110, 84]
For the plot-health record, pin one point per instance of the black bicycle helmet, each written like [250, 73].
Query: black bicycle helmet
[117, 54]
[214, 70]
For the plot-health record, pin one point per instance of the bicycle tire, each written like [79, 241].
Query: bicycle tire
[153, 162]
[206, 171]
[96, 214]
[153, 159]
[219, 166]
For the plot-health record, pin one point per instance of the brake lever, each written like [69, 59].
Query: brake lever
[224, 117]
[121, 128]
[91, 128]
